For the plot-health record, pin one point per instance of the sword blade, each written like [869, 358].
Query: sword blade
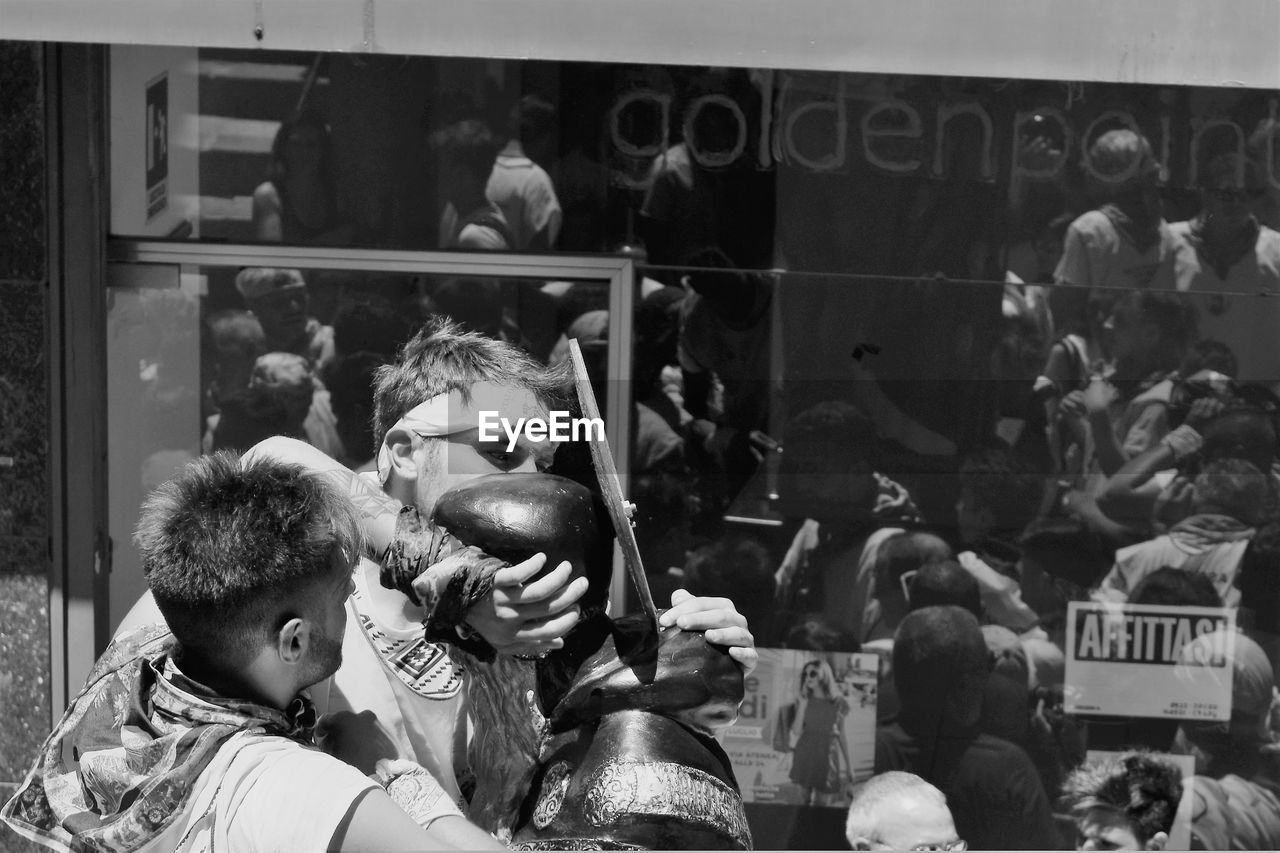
[611, 487]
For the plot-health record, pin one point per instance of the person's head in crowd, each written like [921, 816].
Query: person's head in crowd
[940, 669]
[1225, 196]
[813, 633]
[474, 304]
[1172, 587]
[466, 151]
[301, 148]
[1259, 581]
[900, 811]
[591, 330]
[276, 402]
[1208, 354]
[944, 582]
[1231, 487]
[825, 472]
[440, 447]
[369, 323]
[1241, 433]
[235, 340]
[350, 386]
[1206, 371]
[533, 121]
[1124, 803]
[1120, 167]
[999, 495]
[1220, 748]
[279, 299]
[817, 681]
[738, 297]
[250, 564]
[1061, 558]
[739, 568]
[1148, 330]
[904, 554]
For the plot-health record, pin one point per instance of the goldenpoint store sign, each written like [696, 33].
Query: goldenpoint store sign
[840, 122]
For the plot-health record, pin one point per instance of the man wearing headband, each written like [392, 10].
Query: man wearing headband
[397, 692]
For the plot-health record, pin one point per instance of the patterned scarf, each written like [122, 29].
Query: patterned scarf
[121, 765]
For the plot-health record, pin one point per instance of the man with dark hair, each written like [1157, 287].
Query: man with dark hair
[280, 300]
[943, 582]
[900, 811]
[1126, 803]
[519, 184]
[940, 669]
[466, 151]
[209, 745]
[897, 563]
[1170, 587]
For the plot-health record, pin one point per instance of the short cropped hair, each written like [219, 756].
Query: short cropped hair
[944, 582]
[229, 547]
[442, 358]
[905, 552]
[1140, 786]
[468, 144]
[1174, 587]
[870, 798]
[531, 118]
[939, 652]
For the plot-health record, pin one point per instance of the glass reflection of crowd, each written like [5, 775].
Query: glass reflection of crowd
[1130, 455]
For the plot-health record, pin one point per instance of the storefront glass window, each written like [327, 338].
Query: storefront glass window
[1008, 346]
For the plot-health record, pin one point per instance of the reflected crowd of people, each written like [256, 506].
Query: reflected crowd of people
[1129, 458]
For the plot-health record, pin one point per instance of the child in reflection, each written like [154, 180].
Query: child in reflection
[812, 728]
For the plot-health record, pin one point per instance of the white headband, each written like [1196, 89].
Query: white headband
[449, 413]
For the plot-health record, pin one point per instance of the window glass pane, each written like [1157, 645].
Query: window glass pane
[835, 452]
[210, 358]
[805, 171]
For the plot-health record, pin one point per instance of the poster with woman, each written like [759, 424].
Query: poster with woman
[806, 730]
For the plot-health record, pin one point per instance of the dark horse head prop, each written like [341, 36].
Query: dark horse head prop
[514, 516]
[629, 759]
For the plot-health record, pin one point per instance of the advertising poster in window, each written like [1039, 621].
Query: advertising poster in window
[806, 730]
[1137, 660]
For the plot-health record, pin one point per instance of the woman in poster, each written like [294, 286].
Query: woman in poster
[812, 727]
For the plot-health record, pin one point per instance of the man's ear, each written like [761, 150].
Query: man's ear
[399, 441]
[1157, 841]
[293, 640]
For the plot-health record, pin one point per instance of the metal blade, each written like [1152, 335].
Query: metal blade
[611, 488]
